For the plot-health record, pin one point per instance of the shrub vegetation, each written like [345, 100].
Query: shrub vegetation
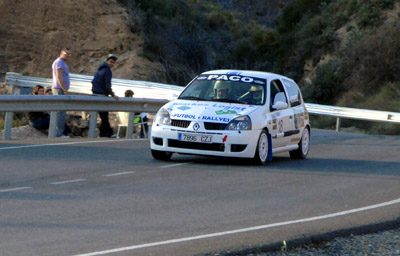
[192, 36]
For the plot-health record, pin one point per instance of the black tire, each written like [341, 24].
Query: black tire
[262, 150]
[304, 146]
[161, 155]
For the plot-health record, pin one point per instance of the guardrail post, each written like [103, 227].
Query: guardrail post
[53, 125]
[129, 129]
[92, 124]
[8, 126]
[338, 121]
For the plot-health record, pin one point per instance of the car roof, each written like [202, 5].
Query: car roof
[251, 73]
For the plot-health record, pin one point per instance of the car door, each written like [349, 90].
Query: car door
[295, 102]
[282, 117]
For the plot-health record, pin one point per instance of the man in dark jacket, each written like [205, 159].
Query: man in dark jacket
[101, 86]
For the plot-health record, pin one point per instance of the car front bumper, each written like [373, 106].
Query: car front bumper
[224, 143]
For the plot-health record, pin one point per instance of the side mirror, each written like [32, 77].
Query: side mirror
[280, 105]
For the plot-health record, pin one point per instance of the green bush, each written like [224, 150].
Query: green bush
[368, 15]
[370, 60]
[327, 85]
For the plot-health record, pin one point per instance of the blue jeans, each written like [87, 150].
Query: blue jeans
[60, 115]
[41, 123]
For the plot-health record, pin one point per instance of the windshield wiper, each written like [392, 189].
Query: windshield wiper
[191, 98]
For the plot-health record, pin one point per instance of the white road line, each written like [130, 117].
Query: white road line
[117, 174]
[64, 143]
[236, 231]
[173, 165]
[67, 181]
[13, 189]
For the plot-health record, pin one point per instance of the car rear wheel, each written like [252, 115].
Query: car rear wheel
[304, 146]
[261, 154]
[161, 155]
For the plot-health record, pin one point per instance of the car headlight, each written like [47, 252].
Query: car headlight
[162, 117]
[240, 123]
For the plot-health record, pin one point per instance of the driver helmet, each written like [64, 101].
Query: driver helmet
[220, 85]
[256, 88]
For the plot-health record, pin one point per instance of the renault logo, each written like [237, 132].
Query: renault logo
[196, 126]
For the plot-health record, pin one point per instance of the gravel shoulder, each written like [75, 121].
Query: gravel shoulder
[381, 243]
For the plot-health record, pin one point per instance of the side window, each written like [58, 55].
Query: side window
[277, 93]
[293, 92]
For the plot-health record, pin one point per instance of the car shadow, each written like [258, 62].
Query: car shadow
[283, 163]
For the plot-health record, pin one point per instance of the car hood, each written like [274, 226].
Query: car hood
[206, 111]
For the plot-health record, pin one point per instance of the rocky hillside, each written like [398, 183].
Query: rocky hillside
[341, 52]
[32, 33]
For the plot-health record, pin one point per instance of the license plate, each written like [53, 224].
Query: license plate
[195, 138]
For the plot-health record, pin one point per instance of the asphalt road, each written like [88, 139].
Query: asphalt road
[109, 197]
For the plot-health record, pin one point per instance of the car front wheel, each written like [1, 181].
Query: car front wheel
[304, 146]
[261, 154]
[161, 155]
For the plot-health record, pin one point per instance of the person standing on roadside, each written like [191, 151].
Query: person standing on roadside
[101, 86]
[61, 86]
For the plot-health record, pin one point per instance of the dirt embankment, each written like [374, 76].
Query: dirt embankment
[32, 33]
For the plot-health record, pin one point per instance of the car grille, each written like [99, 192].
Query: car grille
[195, 145]
[207, 125]
[180, 123]
[214, 126]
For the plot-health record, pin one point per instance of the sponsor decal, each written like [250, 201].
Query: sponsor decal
[181, 104]
[234, 77]
[184, 108]
[274, 124]
[200, 104]
[189, 104]
[225, 112]
[185, 116]
[298, 118]
[227, 107]
[280, 124]
[275, 115]
[236, 73]
[215, 118]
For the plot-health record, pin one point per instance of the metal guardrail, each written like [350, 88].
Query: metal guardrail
[82, 84]
[93, 104]
[149, 97]
[352, 113]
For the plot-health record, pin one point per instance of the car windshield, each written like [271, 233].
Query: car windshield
[226, 88]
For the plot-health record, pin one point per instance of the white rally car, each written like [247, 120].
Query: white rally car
[234, 113]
